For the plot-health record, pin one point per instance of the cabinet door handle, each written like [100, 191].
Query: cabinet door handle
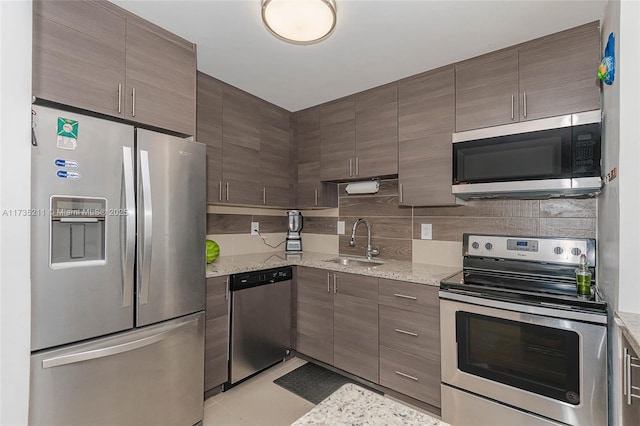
[406, 332]
[335, 283]
[227, 191]
[226, 289]
[625, 368]
[219, 190]
[264, 195]
[133, 102]
[512, 108]
[328, 282]
[119, 98]
[404, 296]
[316, 194]
[400, 193]
[350, 167]
[400, 373]
[357, 166]
[524, 101]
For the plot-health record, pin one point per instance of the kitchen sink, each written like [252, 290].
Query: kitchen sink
[351, 261]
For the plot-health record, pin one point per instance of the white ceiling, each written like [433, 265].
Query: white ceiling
[375, 41]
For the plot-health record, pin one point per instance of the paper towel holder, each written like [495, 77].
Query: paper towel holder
[363, 187]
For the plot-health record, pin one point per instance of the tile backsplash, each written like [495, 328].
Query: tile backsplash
[396, 229]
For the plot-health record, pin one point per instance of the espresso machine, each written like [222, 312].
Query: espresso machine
[294, 242]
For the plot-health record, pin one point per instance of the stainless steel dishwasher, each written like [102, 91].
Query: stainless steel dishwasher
[260, 321]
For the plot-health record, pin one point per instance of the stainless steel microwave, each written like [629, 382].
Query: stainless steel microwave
[557, 156]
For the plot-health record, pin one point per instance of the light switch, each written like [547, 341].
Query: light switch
[341, 227]
[426, 231]
[255, 228]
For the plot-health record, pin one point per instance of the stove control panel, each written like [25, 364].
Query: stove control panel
[538, 249]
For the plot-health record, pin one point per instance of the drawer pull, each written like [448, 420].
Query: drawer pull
[404, 296]
[399, 373]
[406, 332]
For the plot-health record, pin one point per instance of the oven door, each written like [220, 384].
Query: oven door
[546, 365]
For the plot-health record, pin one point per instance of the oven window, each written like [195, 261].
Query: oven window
[538, 359]
[530, 156]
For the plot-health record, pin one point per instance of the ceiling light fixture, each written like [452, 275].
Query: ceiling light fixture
[299, 21]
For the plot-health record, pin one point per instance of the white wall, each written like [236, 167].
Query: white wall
[608, 202]
[15, 173]
[629, 286]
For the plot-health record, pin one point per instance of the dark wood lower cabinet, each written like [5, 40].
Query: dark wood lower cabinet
[385, 331]
[314, 314]
[216, 332]
[355, 325]
[411, 375]
[409, 324]
[630, 396]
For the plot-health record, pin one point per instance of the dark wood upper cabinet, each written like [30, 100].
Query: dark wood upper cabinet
[546, 77]
[337, 139]
[377, 132]
[94, 55]
[209, 131]
[487, 90]
[311, 191]
[248, 146]
[79, 55]
[558, 73]
[274, 155]
[160, 79]
[241, 147]
[425, 123]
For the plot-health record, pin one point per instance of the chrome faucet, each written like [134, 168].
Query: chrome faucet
[371, 251]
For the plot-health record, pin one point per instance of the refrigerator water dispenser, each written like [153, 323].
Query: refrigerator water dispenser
[77, 231]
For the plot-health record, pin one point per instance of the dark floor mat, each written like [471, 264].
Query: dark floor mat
[314, 383]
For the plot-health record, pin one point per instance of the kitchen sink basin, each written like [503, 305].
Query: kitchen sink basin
[350, 261]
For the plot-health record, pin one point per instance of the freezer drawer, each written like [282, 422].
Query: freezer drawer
[149, 376]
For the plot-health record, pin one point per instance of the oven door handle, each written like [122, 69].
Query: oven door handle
[476, 299]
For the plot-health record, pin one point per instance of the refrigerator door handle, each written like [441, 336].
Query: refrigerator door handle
[114, 350]
[130, 227]
[147, 227]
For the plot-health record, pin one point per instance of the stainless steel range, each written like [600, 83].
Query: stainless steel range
[518, 346]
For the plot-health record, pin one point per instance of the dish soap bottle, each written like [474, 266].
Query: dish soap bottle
[583, 279]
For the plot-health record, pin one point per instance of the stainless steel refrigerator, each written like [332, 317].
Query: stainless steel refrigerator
[117, 274]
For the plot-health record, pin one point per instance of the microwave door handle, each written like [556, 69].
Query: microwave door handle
[129, 228]
[147, 227]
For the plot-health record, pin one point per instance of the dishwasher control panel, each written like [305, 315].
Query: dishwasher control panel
[257, 278]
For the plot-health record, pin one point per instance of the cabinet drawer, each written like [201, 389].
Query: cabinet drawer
[410, 332]
[410, 296]
[411, 375]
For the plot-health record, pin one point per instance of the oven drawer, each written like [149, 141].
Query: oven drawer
[411, 375]
[410, 332]
[410, 296]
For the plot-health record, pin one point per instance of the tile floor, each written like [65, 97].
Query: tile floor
[260, 402]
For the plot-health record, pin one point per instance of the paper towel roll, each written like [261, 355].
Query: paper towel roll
[368, 187]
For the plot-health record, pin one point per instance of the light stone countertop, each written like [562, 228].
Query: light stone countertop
[353, 405]
[392, 269]
[630, 328]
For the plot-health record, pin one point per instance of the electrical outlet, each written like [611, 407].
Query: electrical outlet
[255, 228]
[426, 231]
[341, 227]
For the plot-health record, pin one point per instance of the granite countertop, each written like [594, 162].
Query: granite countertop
[630, 324]
[353, 405]
[392, 269]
